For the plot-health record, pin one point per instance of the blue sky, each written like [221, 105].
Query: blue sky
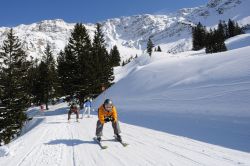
[15, 12]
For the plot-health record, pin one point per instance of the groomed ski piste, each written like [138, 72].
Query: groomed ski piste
[56, 142]
[187, 109]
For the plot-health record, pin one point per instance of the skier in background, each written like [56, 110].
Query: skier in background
[87, 107]
[107, 113]
[42, 107]
[73, 109]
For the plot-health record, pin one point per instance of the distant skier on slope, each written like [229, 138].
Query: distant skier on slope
[106, 113]
[87, 107]
[73, 109]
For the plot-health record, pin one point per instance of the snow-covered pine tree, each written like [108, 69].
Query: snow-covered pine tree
[14, 96]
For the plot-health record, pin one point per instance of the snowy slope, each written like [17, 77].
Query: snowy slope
[172, 31]
[193, 94]
[56, 142]
[238, 41]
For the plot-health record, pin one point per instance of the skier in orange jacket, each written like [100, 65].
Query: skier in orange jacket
[107, 113]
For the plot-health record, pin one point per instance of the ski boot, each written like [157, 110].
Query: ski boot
[99, 138]
[118, 137]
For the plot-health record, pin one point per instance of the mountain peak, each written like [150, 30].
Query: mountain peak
[172, 32]
[222, 3]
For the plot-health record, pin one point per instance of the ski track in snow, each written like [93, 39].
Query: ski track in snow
[59, 143]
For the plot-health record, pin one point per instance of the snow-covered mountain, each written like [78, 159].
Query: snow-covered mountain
[171, 31]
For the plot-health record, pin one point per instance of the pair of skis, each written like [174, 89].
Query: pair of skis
[105, 146]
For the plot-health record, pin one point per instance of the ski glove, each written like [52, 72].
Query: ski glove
[108, 119]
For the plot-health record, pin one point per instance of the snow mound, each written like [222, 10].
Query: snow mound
[189, 93]
[238, 41]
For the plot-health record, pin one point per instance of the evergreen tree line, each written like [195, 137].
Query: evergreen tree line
[214, 39]
[81, 69]
[84, 66]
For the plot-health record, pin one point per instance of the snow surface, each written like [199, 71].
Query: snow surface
[56, 142]
[238, 41]
[192, 94]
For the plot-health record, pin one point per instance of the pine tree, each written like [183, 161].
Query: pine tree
[40, 83]
[36, 76]
[103, 71]
[222, 30]
[67, 71]
[225, 29]
[198, 34]
[231, 28]
[219, 41]
[49, 74]
[209, 41]
[238, 29]
[159, 49]
[14, 96]
[62, 75]
[80, 45]
[215, 41]
[150, 46]
[32, 73]
[115, 56]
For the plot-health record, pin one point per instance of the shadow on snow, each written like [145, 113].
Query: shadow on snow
[69, 142]
[230, 132]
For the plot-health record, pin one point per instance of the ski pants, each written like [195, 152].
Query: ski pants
[73, 111]
[99, 128]
[86, 109]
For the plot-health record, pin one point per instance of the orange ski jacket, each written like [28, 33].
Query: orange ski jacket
[102, 114]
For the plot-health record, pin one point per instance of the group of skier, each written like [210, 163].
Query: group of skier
[106, 113]
[74, 109]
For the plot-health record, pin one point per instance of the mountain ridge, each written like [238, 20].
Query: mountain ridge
[171, 31]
